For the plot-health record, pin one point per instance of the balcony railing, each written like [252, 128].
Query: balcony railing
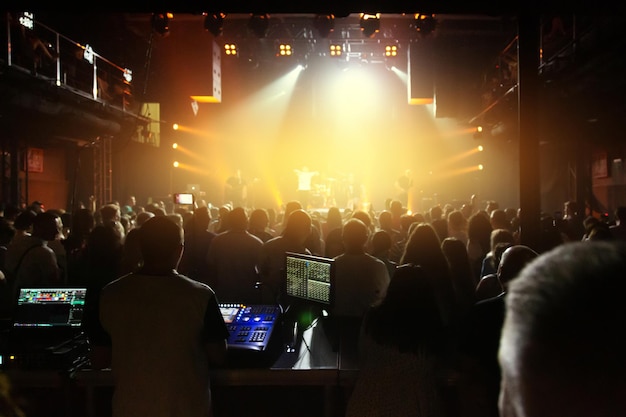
[45, 53]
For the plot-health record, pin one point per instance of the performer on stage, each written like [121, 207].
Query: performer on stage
[355, 192]
[403, 185]
[236, 190]
[305, 178]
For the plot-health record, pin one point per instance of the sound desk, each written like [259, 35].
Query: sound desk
[252, 328]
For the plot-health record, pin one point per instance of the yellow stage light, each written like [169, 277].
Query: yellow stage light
[391, 51]
[336, 50]
[285, 50]
[230, 49]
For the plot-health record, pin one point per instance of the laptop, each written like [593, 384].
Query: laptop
[47, 316]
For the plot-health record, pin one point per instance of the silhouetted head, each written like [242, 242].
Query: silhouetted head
[238, 219]
[381, 242]
[298, 225]
[161, 241]
[512, 261]
[354, 235]
[47, 225]
[24, 220]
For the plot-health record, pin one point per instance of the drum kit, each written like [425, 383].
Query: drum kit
[322, 193]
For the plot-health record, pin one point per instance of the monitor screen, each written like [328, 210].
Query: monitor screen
[310, 278]
[49, 307]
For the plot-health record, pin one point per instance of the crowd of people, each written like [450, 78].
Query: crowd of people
[453, 273]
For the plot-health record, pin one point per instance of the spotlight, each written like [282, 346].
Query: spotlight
[324, 23]
[214, 23]
[480, 167]
[230, 49]
[174, 145]
[336, 50]
[259, 24]
[391, 51]
[482, 132]
[175, 164]
[370, 24]
[161, 23]
[284, 49]
[425, 23]
[128, 75]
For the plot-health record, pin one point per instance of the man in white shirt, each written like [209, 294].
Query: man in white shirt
[305, 186]
[159, 331]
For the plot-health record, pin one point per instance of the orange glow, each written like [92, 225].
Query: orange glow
[194, 131]
[192, 168]
[420, 101]
[460, 132]
[460, 171]
[192, 155]
[458, 157]
[206, 99]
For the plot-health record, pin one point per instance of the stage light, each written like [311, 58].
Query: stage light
[214, 23]
[482, 132]
[370, 24]
[175, 126]
[336, 50]
[230, 49]
[128, 75]
[480, 167]
[175, 164]
[425, 24]
[324, 23]
[259, 24]
[480, 148]
[285, 49]
[161, 23]
[391, 51]
[174, 145]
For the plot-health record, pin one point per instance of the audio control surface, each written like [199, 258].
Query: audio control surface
[250, 327]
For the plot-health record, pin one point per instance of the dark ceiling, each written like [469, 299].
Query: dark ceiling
[471, 41]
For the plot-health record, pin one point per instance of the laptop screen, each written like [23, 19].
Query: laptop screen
[50, 307]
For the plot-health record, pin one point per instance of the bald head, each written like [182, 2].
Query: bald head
[513, 260]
